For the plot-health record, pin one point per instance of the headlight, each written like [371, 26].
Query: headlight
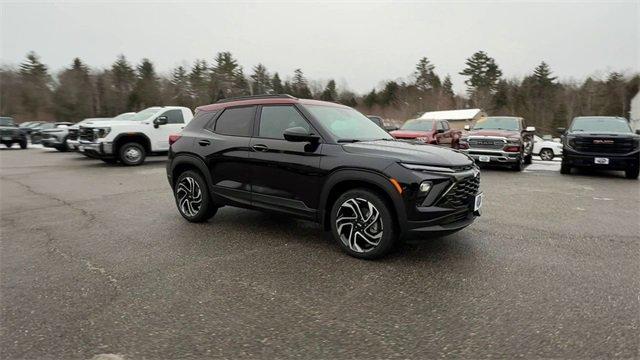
[513, 141]
[102, 132]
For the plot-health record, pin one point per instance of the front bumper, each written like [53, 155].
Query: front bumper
[96, 149]
[494, 156]
[73, 144]
[616, 161]
[442, 226]
[52, 142]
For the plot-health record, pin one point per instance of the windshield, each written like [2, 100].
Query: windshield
[420, 125]
[600, 124]
[144, 114]
[347, 124]
[125, 116]
[498, 123]
[6, 122]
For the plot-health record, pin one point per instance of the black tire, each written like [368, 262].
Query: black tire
[632, 173]
[206, 209]
[7, 144]
[110, 160]
[23, 144]
[565, 169]
[63, 147]
[519, 165]
[528, 159]
[383, 225]
[132, 154]
[546, 154]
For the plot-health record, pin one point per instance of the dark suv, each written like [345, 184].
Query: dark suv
[602, 142]
[323, 162]
[10, 133]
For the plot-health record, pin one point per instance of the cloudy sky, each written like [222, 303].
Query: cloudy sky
[357, 43]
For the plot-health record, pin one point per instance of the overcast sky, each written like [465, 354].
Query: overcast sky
[359, 44]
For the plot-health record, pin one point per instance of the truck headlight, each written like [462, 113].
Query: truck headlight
[102, 132]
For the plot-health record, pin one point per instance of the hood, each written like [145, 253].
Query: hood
[55, 130]
[112, 123]
[409, 152]
[496, 133]
[603, 134]
[410, 134]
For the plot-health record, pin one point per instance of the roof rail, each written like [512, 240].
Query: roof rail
[251, 97]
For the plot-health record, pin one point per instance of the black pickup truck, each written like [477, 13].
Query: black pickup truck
[601, 142]
[11, 134]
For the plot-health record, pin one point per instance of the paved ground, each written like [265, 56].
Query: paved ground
[95, 259]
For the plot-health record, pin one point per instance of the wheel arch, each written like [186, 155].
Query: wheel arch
[344, 180]
[138, 137]
[183, 162]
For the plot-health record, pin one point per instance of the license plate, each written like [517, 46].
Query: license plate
[484, 158]
[81, 148]
[601, 161]
[478, 202]
[6, 138]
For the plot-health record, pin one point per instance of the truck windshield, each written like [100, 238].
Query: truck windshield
[420, 125]
[346, 124]
[600, 124]
[498, 123]
[145, 114]
[6, 121]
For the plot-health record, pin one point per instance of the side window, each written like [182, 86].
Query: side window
[274, 120]
[174, 116]
[439, 125]
[445, 125]
[236, 121]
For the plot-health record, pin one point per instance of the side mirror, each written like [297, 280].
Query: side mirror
[638, 131]
[160, 120]
[561, 130]
[299, 134]
[467, 127]
[530, 129]
[440, 131]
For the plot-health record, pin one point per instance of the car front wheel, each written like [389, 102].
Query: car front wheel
[132, 154]
[192, 197]
[362, 224]
[546, 154]
[632, 173]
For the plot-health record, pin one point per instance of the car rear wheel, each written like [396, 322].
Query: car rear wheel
[132, 154]
[519, 164]
[546, 154]
[362, 224]
[192, 197]
[565, 169]
[632, 173]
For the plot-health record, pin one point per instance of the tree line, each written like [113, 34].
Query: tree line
[32, 92]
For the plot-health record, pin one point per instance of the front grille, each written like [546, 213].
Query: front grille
[46, 136]
[462, 192]
[598, 145]
[73, 134]
[6, 132]
[486, 143]
[87, 134]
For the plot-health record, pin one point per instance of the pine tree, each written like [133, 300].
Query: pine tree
[200, 83]
[73, 99]
[389, 95]
[426, 78]
[228, 76]
[299, 85]
[277, 84]
[146, 92]
[180, 93]
[261, 81]
[483, 72]
[36, 81]
[447, 86]
[123, 78]
[330, 92]
[370, 99]
[542, 75]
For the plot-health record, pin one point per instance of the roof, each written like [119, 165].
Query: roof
[265, 101]
[464, 114]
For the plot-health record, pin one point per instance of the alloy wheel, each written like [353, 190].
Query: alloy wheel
[189, 196]
[359, 225]
[132, 154]
[546, 155]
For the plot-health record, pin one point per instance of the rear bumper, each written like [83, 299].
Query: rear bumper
[588, 161]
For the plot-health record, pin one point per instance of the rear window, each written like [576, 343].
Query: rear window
[236, 121]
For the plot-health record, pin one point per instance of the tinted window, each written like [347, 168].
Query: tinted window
[498, 123]
[420, 125]
[274, 120]
[597, 124]
[445, 125]
[236, 121]
[201, 119]
[174, 117]
[440, 125]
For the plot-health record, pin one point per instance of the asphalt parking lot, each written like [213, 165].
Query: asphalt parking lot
[95, 259]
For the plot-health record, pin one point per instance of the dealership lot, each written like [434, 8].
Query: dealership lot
[95, 259]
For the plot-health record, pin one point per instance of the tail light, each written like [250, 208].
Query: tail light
[512, 148]
[173, 138]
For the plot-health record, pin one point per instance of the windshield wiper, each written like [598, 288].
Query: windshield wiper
[348, 140]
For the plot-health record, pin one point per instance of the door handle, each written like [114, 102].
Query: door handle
[260, 147]
[204, 142]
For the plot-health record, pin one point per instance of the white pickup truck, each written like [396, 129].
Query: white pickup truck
[130, 141]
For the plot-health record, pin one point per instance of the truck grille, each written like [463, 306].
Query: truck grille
[599, 145]
[73, 134]
[486, 143]
[87, 134]
[6, 132]
[462, 192]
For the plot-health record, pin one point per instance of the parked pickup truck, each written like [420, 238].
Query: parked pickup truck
[11, 134]
[504, 140]
[436, 132]
[130, 141]
[601, 142]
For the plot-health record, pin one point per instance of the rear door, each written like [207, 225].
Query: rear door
[225, 147]
[284, 175]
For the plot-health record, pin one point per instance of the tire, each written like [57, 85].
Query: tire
[63, 147]
[110, 160]
[132, 154]
[345, 217]
[546, 154]
[528, 159]
[7, 144]
[519, 165]
[632, 173]
[565, 169]
[192, 197]
[23, 144]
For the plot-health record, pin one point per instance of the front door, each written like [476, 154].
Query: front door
[174, 125]
[284, 175]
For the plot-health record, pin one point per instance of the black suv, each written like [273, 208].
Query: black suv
[10, 133]
[601, 142]
[323, 162]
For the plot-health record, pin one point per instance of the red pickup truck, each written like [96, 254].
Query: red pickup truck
[436, 132]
